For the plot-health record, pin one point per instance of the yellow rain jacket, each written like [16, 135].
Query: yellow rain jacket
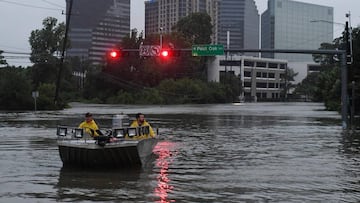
[151, 134]
[90, 127]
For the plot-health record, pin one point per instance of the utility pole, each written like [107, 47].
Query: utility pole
[57, 88]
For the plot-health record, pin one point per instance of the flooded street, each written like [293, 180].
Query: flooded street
[251, 152]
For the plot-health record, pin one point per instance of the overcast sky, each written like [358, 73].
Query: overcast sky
[19, 17]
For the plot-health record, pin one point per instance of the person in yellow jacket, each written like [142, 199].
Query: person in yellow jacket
[140, 121]
[90, 126]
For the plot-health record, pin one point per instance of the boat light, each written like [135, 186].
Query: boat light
[119, 133]
[145, 130]
[61, 131]
[79, 132]
[132, 132]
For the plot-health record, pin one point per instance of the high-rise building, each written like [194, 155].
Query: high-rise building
[96, 26]
[289, 24]
[162, 15]
[239, 18]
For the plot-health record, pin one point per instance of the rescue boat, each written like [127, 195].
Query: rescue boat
[120, 147]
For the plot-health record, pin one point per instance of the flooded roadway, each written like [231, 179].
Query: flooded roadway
[252, 152]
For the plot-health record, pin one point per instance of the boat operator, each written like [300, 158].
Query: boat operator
[90, 126]
[140, 121]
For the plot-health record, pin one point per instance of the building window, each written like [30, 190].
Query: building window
[282, 66]
[249, 63]
[247, 74]
[261, 64]
[271, 85]
[247, 84]
[264, 75]
[258, 74]
[273, 65]
[263, 95]
[271, 75]
[261, 85]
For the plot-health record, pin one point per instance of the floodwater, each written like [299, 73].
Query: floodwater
[249, 152]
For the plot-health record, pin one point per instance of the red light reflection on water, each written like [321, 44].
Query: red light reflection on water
[165, 152]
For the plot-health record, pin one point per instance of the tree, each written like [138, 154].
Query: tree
[289, 78]
[308, 87]
[15, 89]
[329, 83]
[196, 27]
[46, 43]
[46, 47]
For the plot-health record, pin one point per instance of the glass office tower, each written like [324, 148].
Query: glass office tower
[289, 24]
[241, 19]
[96, 26]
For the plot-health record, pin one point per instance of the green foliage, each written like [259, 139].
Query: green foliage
[308, 87]
[43, 73]
[46, 97]
[15, 89]
[330, 87]
[328, 83]
[322, 87]
[194, 91]
[180, 91]
[289, 78]
[121, 97]
[47, 42]
[149, 96]
[196, 27]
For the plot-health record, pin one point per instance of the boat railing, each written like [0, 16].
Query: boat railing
[68, 132]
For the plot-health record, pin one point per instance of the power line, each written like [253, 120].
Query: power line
[16, 48]
[14, 52]
[54, 4]
[30, 6]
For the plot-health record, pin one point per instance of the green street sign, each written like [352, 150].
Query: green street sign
[208, 50]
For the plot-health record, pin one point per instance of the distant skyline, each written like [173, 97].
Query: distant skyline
[18, 18]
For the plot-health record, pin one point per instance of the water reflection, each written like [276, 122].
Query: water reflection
[165, 152]
[96, 185]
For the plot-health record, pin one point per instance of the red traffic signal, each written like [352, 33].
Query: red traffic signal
[164, 53]
[169, 53]
[114, 54]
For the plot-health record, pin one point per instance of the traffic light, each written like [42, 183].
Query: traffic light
[165, 53]
[114, 54]
[169, 53]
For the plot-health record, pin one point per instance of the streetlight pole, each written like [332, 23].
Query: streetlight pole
[348, 15]
[345, 66]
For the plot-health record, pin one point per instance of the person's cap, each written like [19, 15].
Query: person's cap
[88, 114]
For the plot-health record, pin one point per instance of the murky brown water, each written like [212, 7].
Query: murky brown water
[258, 152]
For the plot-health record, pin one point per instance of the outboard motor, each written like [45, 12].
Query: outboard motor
[120, 120]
